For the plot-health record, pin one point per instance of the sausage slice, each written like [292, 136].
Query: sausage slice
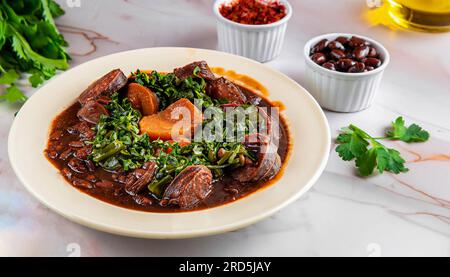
[189, 187]
[91, 112]
[267, 165]
[221, 88]
[188, 71]
[139, 178]
[105, 86]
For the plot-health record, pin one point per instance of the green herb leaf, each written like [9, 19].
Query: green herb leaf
[413, 133]
[9, 77]
[389, 160]
[55, 9]
[36, 79]
[29, 43]
[351, 145]
[366, 162]
[368, 153]
[13, 95]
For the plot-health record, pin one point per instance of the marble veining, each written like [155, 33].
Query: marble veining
[383, 215]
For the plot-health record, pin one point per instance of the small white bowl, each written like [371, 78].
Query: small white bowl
[258, 42]
[341, 91]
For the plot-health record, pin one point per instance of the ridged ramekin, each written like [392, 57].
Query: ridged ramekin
[258, 42]
[341, 91]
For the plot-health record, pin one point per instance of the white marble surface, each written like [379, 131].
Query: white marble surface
[407, 214]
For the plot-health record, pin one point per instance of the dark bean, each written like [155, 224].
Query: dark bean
[361, 52]
[56, 135]
[82, 183]
[337, 54]
[118, 192]
[329, 65]
[91, 178]
[52, 154]
[233, 191]
[104, 184]
[115, 177]
[319, 58]
[372, 52]
[90, 165]
[356, 42]
[66, 154]
[67, 173]
[358, 67]
[72, 130]
[344, 64]
[369, 68]
[349, 54]
[83, 129]
[142, 200]
[76, 144]
[87, 135]
[320, 46]
[104, 100]
[343, 40]
[77, 165]
[122, 179]
[83, 153]
[373, 62]
[335, 45]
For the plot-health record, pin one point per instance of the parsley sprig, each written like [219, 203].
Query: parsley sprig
[369, 154]
[29, 43]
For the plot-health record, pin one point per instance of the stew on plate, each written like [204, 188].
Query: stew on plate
[169, 142]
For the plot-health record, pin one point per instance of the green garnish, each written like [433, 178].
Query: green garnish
[29, 43]
[117, 142]
[169, 88]
[413, 133]
[118, 145]
[369, 153]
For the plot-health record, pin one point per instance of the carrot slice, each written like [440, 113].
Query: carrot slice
[142, 98]
[177, 122]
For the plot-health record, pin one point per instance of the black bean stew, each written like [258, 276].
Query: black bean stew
[346, 54]
[145, 181]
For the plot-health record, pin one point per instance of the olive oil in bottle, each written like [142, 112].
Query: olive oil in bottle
[422, 15]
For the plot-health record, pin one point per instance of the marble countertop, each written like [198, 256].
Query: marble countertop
[343, 215]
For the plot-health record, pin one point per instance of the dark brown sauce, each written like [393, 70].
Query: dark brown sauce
[225, 190]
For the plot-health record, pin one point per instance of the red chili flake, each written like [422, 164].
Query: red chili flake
[253, 12]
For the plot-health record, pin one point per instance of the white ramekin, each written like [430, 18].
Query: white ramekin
[340, 91]
[258, 42]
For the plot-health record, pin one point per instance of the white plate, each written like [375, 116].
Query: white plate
[29, 132]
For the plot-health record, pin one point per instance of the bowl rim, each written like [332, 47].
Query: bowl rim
[316, 67]
[282, 21]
